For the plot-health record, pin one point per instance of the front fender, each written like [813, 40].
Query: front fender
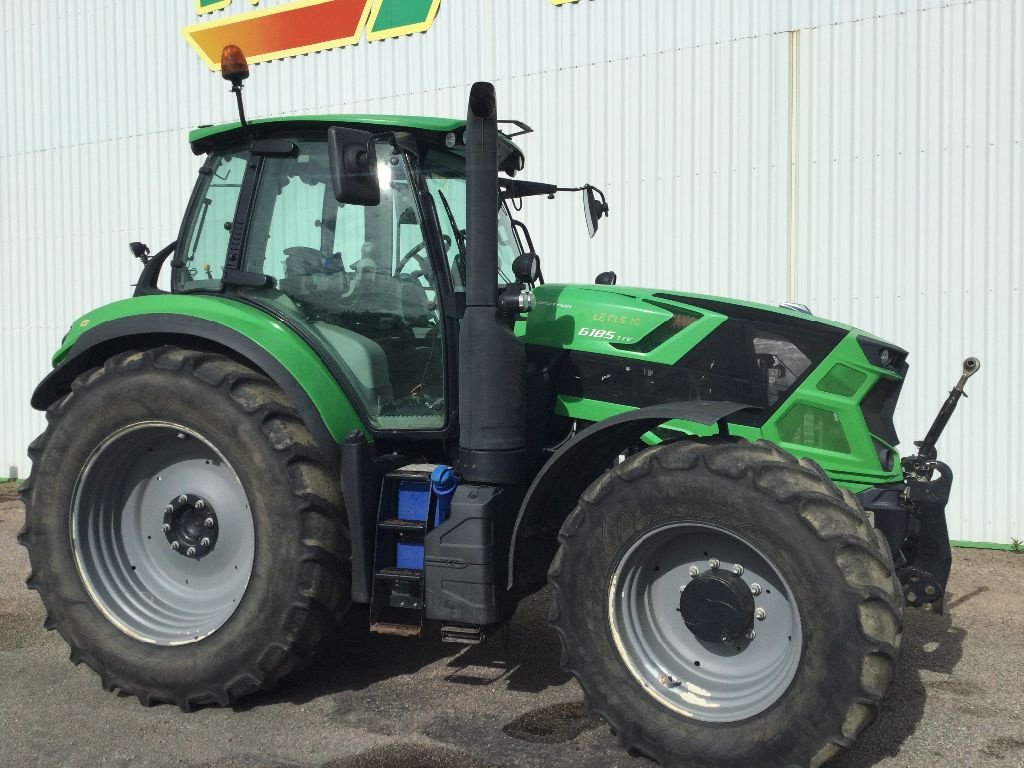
[219, 324]
[568, 473]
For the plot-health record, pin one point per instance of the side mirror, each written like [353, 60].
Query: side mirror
[353, 166]
[606, 278]
[593, 208]
[140, 251]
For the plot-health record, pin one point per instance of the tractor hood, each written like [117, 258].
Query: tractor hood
[647, 324]
[820, 389]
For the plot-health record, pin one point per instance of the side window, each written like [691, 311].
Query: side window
[205, 243]
[357, 278]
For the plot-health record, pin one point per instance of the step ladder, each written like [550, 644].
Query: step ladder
[407, 511]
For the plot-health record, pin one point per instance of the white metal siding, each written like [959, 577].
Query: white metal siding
[908, 170]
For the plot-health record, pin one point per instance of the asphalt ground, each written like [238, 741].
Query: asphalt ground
[399, 703]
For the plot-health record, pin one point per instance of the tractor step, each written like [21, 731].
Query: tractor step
[400, 574]
[396, 630]
[403, 526]
[462, 635]
[403, 519]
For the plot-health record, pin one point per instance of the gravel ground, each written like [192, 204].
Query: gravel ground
[959, 698]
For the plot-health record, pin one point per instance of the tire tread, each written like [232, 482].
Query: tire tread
[323, 533]
[835, 517]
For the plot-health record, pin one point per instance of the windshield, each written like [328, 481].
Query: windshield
[444, 174]
[204, 242]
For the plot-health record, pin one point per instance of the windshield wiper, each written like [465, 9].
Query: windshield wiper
[460, 237]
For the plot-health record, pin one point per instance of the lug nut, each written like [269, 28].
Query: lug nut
[750, 634]
[208, 522]
[694, 571]
[714, 563]
[175, 546]
[183, 499]
[204, 542]
[168, 509]
[726, 639]
[200, 505]
[755, 589]
[190, 552]
[667, 680]
[929, 590]
[737, 569]
[760, 614]
[166, 527]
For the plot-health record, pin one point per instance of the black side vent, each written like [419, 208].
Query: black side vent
[880, 405]
[655, 338]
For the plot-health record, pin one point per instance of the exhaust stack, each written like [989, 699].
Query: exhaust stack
[492, 360]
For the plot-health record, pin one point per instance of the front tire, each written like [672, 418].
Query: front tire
[789, 678]
[184, 532]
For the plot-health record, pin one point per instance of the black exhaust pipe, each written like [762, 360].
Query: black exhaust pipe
[492, 360]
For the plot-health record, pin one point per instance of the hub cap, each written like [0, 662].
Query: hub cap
[717, 607]
[704, 621]
[190, 524]
[163, 534]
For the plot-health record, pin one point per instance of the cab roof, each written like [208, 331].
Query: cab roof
[206, 137]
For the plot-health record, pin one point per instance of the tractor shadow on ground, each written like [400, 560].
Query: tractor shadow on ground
[930, 642]
[522, 655]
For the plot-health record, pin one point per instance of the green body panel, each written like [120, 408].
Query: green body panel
[858, 463]
[603, 320]
[278, 341]
[820, 420]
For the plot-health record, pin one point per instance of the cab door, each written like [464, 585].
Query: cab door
[356, 281]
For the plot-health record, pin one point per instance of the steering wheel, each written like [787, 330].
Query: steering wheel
[414, 253]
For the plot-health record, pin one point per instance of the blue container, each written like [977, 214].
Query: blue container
[443, 481]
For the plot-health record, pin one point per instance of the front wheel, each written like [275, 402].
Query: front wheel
[184, 534]
[723, 604]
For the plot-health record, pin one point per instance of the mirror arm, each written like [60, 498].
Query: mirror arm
[151, 271]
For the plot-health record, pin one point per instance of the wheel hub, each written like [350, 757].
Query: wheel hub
[717, 607]
[190, 526]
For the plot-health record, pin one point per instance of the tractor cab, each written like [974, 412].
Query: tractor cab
[370, 285]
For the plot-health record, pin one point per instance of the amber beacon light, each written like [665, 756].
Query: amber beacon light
[234, 68]
[233, 65]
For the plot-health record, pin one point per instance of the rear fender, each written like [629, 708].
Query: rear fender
[230, 328]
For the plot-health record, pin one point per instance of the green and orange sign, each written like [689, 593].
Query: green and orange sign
[307, 26]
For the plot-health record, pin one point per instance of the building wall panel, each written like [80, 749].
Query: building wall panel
[909, 208]
[909, 175]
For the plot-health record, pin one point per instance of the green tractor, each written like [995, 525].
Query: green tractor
[359, 390]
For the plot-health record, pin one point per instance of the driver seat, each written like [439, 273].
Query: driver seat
[375, 291]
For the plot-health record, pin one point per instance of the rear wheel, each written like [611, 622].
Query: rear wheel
[177, 499]
[723, 604]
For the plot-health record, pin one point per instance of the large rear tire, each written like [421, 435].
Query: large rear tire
[652, 600]
[184, 532]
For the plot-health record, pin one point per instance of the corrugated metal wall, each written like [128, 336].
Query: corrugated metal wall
[906, 117]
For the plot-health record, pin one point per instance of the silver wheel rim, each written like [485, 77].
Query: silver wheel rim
[146, 589]
[712, 682]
